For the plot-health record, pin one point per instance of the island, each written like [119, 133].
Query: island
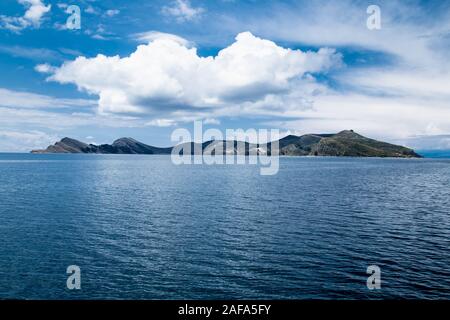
[346, 143]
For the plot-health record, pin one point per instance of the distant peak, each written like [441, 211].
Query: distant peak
[348, 133]
[72, 142]
[125, 139]
[67, 139]
[289, 137]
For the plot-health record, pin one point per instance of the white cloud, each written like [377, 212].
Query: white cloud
[100, 33]
[182, 11]
[150, 36]
[165, 76]
[385, 117]
[112, 12]
[403, 94]
[30, 111]
[30, 53]
[161, 123]
[404, 30]
[165, 81]
[211, 121]
[58, 121]
[36, 9]
[18, 99]
[433, 142]
[45, 68]
[419, 82]
[91, 10]
[25, 141]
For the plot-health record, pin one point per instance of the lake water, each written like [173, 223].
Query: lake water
[141, 228]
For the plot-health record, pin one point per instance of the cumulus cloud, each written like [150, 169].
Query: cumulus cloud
[44, 68]
[165, 76]
[35, 11]
[32, 17]
[182, 11]
[402, 95]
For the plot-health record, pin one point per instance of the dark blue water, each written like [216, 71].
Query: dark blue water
[142, 228]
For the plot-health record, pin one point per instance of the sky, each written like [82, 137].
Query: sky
[142, 69]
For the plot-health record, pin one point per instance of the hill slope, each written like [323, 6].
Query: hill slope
[343, 144]
[120, 146]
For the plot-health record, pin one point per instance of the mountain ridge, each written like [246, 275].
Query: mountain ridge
[346, 143]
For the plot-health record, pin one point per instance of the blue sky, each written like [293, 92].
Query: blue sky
[144, 68]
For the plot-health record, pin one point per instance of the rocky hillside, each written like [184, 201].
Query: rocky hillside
[343, 144]
[120, 146]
